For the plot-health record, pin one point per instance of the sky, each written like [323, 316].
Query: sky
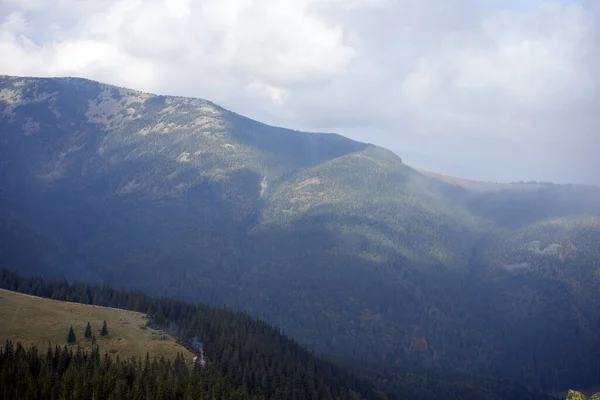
[494, 90]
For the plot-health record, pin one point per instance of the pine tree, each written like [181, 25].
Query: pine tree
[104, 331]
[88, 331]
[71, 336]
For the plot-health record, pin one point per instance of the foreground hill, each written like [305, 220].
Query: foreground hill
[339, 243]
[243, 357]
[32, 320]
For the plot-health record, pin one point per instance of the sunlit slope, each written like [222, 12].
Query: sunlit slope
[37, 321]
[379, 205]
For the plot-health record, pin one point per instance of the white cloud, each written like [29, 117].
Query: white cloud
[275, 94]
[178, 8]
[474, 76]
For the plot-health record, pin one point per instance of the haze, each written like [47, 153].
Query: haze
[491, 90]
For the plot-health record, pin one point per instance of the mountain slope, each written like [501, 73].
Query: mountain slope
[339, 243]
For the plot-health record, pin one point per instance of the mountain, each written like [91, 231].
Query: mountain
[339, 243]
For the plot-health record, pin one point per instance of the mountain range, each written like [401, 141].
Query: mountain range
[342, 245]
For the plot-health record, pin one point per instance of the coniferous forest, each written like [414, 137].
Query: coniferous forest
[62, 373]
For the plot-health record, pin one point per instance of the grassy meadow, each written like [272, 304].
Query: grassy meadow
[38, 321]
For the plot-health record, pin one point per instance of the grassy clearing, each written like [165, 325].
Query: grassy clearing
[35, 320]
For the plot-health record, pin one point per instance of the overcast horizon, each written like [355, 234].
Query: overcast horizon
[482, 89]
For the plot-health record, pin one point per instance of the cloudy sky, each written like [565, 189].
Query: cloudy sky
[486, 89]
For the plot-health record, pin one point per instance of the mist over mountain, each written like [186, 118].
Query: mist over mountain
[348, 249]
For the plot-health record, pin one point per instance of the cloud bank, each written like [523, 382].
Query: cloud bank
[486, 89]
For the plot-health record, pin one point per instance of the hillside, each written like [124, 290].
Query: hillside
[32, 320]
[339, 243]
[244, 357]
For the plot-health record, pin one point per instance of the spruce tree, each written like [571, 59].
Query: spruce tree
[104, 330]
[71, 336]
[88, 331]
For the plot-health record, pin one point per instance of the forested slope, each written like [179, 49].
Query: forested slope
[339, 243]
[244, 358]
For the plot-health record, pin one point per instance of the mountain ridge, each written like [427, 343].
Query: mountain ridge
[338, 242]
